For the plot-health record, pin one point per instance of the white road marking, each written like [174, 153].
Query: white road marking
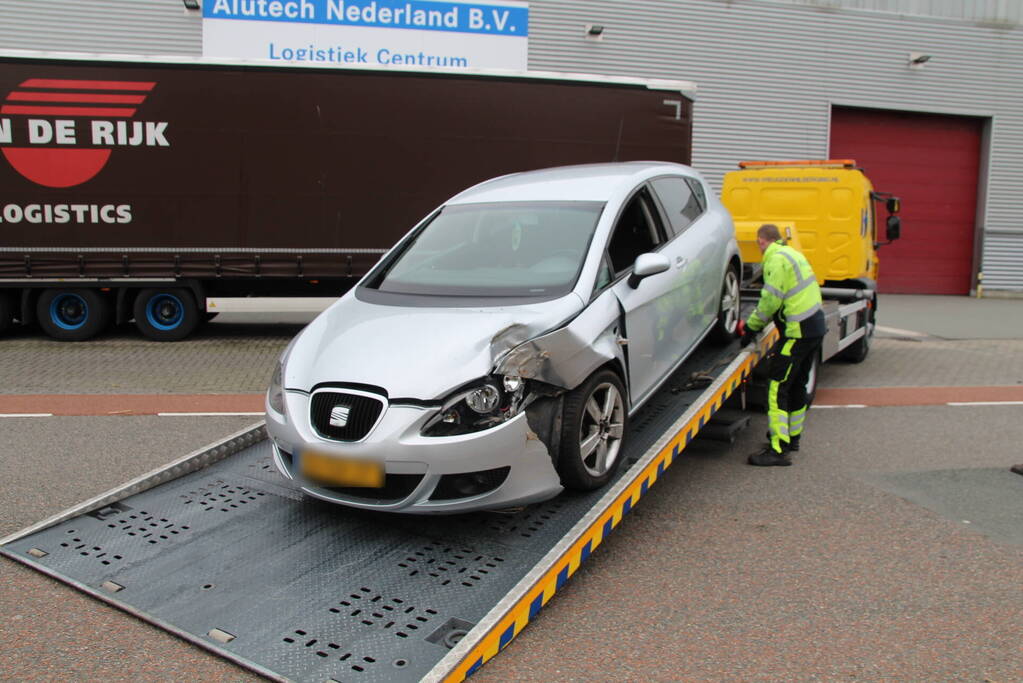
[985, 403]
[26, 414]
[847, 405]
[895, 330]
[210, 414]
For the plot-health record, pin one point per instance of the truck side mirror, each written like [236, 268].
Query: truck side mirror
[893, 227]
[893, 205]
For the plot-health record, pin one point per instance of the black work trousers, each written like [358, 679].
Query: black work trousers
[788, 373]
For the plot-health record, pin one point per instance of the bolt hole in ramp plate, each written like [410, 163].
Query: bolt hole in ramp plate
[220, 550]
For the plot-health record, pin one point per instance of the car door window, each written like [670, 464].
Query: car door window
[683, 199]
[638, 231]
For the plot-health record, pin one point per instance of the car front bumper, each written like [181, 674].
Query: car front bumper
[415, 465]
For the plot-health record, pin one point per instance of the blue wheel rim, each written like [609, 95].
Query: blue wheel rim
[69, 311]
[165, 312]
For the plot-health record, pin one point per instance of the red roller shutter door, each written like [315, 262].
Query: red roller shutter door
[932, 162]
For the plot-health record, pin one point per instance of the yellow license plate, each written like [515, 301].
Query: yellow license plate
[329, 469]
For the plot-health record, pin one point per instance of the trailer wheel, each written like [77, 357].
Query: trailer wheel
[729, 308]
[6, 312]
[72, 314]
[595, 421]
[165, 314]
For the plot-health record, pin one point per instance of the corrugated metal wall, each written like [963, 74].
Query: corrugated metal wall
[153, 27]
[768, 73]
[984, 11]
[768, 70]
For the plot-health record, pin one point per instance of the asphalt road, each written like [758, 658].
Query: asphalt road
[892, 550]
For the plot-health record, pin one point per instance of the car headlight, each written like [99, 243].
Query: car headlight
[483, 399]
[275, 393]
[480, 407]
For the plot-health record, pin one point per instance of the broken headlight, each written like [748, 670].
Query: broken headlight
[481, 406]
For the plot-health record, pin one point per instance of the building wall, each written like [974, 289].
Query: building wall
[769, 71]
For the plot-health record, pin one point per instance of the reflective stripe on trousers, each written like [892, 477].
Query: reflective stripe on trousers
[796, 419]
[778, 419]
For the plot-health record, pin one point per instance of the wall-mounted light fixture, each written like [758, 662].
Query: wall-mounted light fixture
[192, 4]
[594, 32]
[918, 59]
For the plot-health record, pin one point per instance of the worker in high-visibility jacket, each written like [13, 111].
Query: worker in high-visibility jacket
[791, 297]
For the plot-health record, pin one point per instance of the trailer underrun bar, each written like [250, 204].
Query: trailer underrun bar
[218, 549]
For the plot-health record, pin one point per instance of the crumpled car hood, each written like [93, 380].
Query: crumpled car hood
[414, 352]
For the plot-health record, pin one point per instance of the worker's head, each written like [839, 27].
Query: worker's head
[767, 234]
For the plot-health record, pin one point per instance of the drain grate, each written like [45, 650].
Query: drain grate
[325, 648]
[75, 544]
[148, 527]
[219, 495]
[369, 609]
[450, 565]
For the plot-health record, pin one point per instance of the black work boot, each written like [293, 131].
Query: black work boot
[794, 442]
[769, 457]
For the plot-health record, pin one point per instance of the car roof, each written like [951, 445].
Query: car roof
[588, 182]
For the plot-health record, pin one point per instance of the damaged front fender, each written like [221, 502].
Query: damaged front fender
[565, 357]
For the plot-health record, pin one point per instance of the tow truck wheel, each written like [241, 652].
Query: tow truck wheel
[728, 308]
[594, 424]
[858, 350]
[811, 378]
[72, 314]
[165, 314]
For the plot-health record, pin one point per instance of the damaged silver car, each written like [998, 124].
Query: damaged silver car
[495, 354]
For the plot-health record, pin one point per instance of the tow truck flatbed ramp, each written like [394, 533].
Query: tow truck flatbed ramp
[220, 550]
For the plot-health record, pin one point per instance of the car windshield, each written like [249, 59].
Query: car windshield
[516, 249]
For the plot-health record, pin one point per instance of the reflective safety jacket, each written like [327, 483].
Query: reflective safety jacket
[790, 295]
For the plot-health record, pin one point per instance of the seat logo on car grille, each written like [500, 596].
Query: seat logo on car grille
[339, 416]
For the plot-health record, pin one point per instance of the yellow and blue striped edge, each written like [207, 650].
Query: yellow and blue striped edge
[535, 590]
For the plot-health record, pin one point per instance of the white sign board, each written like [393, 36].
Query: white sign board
[379, 33]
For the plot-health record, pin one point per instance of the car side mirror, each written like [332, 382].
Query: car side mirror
[893, 228]
[647, 265]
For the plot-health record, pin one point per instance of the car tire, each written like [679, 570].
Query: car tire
[165, 314]
[594, 425]
[729, 308]
[72, 314]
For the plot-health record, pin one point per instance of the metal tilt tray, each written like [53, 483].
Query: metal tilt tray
[218, 549]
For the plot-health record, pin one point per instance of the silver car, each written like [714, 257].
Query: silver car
[495, 354]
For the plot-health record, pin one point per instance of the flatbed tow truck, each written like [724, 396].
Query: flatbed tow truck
[221, 551]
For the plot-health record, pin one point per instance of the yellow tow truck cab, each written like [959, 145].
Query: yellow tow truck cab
[826, 209]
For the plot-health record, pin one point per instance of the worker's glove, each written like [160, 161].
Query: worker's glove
[745, 334]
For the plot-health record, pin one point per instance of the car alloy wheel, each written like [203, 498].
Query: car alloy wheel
[728, 307]
[593, 432]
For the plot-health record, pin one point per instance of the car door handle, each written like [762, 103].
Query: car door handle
[681, 262]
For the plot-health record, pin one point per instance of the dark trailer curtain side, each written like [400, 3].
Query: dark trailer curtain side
[250, 180]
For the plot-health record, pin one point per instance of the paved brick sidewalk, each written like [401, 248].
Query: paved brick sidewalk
[220, 364]
[931, 362]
